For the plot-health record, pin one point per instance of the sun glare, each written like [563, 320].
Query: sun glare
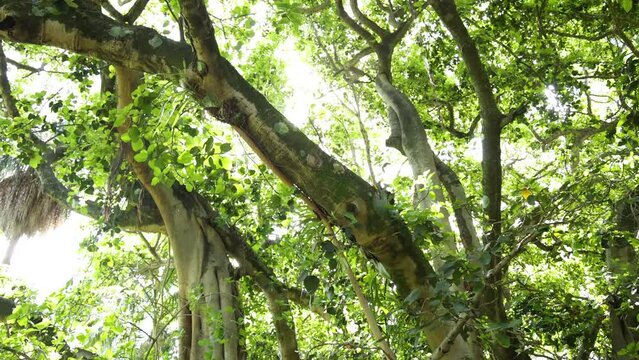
[47, 261]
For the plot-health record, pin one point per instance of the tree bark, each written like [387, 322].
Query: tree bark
[298, 161]
[621, 259]
[204, 281]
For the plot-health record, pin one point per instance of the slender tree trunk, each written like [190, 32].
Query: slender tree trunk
[621, 259]
[284, 328]
[8, 254]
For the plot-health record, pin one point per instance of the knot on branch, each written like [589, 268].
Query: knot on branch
[229, 112]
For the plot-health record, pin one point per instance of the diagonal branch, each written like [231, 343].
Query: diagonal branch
[218, 86]
[135, 11]
[368, 37]
[106, 5]
[366, 21]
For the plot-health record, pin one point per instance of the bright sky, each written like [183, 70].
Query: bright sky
[47, 261]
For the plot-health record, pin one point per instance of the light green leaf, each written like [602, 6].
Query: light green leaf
[137, 145]
[626, 5]
[226, 163]
[502, 339]
[35, 161]
[142, 156]
[185, 158]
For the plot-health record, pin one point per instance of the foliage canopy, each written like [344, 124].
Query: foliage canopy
[438, 179]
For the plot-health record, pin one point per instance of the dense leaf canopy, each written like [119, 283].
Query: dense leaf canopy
[376, 179]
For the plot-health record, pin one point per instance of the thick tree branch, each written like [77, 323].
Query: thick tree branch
[216, 83]
[106, 5]
[366, 21]
[341, 12]
[492, 117]
[135, 11]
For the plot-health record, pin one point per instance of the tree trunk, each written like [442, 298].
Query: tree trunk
[292, 156]
[621, 259]
[8, 253]
[204, 281]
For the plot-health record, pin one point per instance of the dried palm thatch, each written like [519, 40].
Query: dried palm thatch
[25, 209]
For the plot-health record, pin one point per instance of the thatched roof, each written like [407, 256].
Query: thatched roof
[25, 209]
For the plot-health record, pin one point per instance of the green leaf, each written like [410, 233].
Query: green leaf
[71, 4]
[329, 248]
[311, 283]
[142, 156]
[382, 270]
[133, 133]
[484, 258]
[35, 161]
[185, 158]
[226, 163]
[332, 263]
[349, 215]
[219, 186]
[626, 5]
[502, 339]
[137, 145]
[226, 147]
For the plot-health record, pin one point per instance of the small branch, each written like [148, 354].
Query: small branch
[358, 57]
[32, 69]
[5, 87]
[513, 114]
[396, 36]
[448, 341]
[150, 247]
[511, 255]
[627, 41]
[15, 352]
[595, 37]
[369, 314]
